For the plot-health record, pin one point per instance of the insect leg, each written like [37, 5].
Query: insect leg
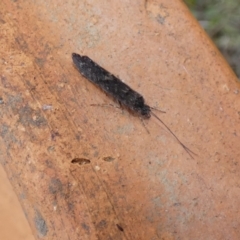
[157, 110]
[144, 125]
[104, 105]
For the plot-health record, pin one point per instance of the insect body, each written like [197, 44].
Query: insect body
[111, 85]
[120, 91]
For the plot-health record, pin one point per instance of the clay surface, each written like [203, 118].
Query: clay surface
[88, 172]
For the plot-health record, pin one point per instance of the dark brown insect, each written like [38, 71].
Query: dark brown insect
[120, 91]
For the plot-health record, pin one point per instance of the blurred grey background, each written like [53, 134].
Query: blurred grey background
[221, 20]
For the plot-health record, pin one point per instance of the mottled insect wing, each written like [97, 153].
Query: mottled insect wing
[112, 85]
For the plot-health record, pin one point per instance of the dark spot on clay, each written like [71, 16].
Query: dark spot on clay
[70, 206]
[49, 163]
[29, 116]
[4, 130]
[80, 161]
[160, 19]
[9, 138]
[85, 227]
[40, 224]
[119, 227]
[40, 62]
[1, 100]
[108, 159]
[30, 85]
[102, 224]
[14, 102]
[54, 135]
[21, 42]
[78, 137]
[177, 204]
[55, 186]
[5, 82]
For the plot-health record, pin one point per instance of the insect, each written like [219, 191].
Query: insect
[120, 91]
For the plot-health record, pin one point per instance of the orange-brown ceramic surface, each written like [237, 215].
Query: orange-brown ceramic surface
[131, 184]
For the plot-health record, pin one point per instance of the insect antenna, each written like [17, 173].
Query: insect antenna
[190, 152]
